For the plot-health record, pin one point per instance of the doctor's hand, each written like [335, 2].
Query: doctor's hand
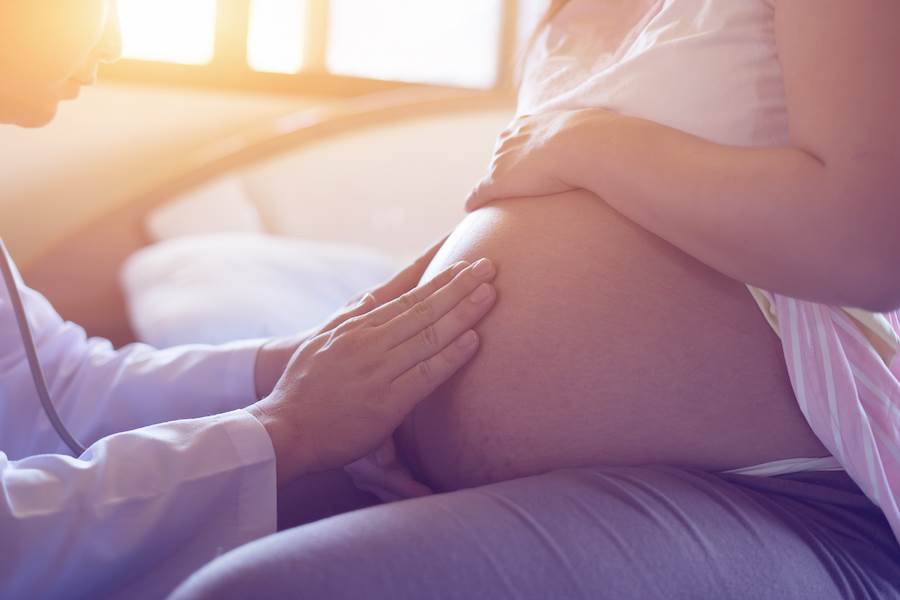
[274, 356]
[347, 389]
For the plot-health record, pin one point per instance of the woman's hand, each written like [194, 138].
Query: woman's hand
[533, 156]
[347, 389]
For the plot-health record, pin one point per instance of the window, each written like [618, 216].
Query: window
[331, 46]
[452, 42]
[277, 31]
[168, 30]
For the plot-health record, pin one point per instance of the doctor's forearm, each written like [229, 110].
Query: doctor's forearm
[777, 218]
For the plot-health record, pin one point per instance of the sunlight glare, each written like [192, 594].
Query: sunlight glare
[176, 31]
[276, 37]
[434, 41]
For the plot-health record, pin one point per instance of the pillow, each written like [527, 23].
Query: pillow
[221, 205]
[231, 286]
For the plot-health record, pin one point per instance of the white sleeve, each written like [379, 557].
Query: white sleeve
[138, 511]
[99, 391]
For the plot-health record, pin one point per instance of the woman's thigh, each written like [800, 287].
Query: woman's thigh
[582, 533]
[607, 346]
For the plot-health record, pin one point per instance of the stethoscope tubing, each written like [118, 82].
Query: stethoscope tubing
[37, 374]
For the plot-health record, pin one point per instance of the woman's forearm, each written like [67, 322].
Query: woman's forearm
[778, 218]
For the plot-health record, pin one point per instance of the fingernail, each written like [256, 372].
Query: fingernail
[467, 340]
[481, 294]
[483, 268]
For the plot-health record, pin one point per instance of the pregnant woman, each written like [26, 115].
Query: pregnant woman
[676, 166]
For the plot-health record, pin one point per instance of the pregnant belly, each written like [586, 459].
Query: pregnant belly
[607, 346]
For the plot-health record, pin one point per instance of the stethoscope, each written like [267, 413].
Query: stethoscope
[40, 383]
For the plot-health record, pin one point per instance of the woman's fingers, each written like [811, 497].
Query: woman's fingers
[418, 382]
[434, 337]
[420, 319]
[480, 195]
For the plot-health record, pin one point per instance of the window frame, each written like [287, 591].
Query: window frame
[231, 70]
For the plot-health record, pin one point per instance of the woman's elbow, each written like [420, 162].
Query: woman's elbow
[878, 287]
[884, 301]
[873, 251]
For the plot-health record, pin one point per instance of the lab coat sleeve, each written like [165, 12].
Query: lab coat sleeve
[162, 500]
[98, 390]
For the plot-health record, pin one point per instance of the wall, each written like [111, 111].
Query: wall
[102, 150]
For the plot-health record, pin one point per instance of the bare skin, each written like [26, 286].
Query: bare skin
[609, 346]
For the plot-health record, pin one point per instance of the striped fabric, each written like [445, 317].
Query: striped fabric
[844, 365]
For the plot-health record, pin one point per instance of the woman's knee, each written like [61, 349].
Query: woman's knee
[306, 562]
[402, 550]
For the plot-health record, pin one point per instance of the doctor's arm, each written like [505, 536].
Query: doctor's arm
[99, 390]
[86, 526]
[192, 489]
[815, 220]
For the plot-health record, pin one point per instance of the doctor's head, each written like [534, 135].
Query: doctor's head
[48, 50]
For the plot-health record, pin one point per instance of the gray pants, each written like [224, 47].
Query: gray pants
[651, 532]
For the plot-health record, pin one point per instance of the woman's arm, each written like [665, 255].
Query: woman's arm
[818, 220]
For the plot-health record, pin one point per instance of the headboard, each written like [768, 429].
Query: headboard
[79, 275]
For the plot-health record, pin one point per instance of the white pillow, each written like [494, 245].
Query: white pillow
[221, 205]
[230, 286]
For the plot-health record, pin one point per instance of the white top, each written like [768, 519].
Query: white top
[139, 511]
[706, 67]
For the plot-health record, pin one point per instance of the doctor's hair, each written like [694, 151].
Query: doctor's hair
[552, 10]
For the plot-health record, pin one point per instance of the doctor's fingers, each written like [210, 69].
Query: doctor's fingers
[357, 308]
[421, 318]
[385, 313]
[417, 383]
[366, 304]
[408, 278]
[438, 340]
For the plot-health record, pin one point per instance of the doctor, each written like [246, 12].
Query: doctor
[187, 446]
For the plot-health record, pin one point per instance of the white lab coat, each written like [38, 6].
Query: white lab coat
[162, 489]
